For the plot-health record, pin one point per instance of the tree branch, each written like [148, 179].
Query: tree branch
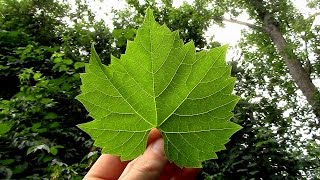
[252, 26]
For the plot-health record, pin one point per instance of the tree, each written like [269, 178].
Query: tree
[285, 43]
[268, 137]
[256, 151]
[44, 45]
[277, 20]
[41, 58]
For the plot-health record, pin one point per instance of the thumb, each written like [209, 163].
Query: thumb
[147, 166]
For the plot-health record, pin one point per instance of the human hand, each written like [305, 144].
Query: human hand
[150, 165]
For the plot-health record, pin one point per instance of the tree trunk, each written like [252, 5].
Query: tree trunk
[298, 73]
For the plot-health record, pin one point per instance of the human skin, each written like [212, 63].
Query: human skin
[152, 164]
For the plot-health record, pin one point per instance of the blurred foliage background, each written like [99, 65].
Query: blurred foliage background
[44, 45]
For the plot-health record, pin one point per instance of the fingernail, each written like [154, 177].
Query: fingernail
[157, 147]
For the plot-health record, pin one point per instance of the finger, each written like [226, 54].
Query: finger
[111, 167]
[106, 167]
[153, 135]
[149, 165]
[129, 166]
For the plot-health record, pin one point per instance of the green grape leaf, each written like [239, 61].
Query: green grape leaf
[160, 83]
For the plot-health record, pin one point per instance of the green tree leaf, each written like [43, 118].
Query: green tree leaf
[4, 128]
[38, 147]
[160, 83]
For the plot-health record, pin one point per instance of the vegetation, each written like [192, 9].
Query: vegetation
[45, 43]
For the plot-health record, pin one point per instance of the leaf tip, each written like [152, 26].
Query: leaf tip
[83, 127]
[149, 12]
[79, 126]
[149, 16]
[94, 58]
[226, 46]
[79, 97]
[92, 46]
